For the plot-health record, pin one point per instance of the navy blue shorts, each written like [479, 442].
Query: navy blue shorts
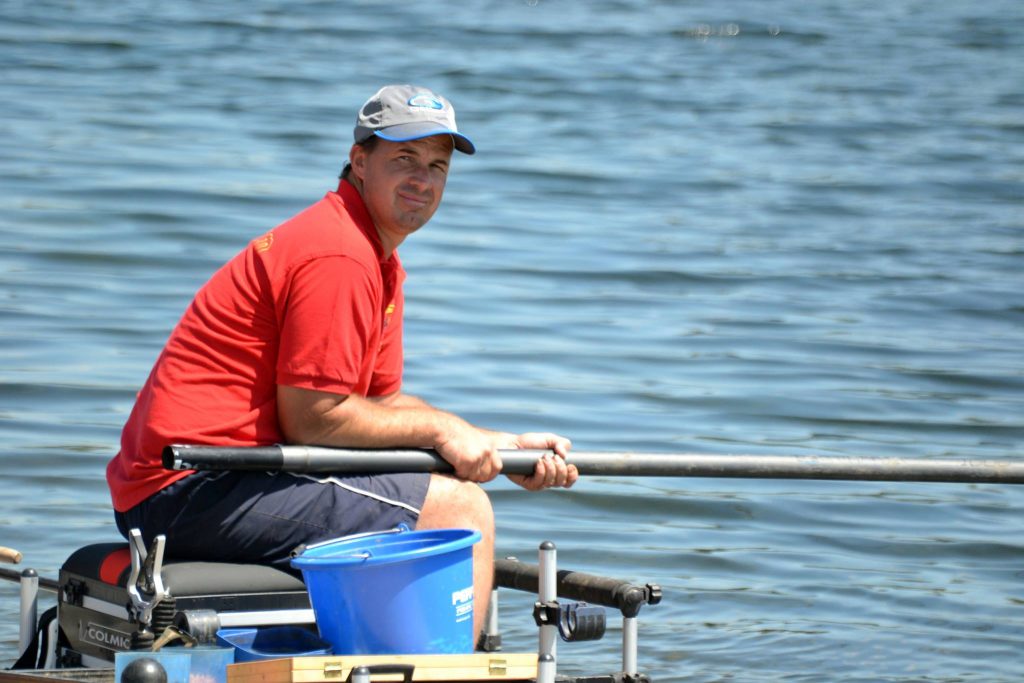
[260, 517]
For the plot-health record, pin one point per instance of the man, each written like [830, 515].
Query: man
[298, 339]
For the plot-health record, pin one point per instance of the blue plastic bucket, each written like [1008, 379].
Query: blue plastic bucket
[272, 642]
[394, 592]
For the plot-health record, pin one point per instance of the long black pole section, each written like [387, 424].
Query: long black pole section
[15, 576]
[315, 459]
[598, 590]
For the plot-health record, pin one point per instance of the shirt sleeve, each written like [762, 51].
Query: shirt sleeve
[329, 325]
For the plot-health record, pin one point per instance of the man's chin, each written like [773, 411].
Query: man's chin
[411, 221]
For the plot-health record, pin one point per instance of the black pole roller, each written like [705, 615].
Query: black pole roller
[313, 459]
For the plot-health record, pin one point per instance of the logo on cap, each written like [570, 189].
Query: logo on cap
[426, 101]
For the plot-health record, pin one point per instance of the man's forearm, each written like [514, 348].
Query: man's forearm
[397, 420]
[401, 400]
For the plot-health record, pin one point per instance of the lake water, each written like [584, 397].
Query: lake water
[718, 227]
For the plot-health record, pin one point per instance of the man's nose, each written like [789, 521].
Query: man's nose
[420, 176]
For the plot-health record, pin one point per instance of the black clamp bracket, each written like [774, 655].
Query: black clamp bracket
[576, 621]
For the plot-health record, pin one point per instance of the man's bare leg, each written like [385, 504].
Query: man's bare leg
[454, 503]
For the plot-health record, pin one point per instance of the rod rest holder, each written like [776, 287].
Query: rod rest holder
[626, 597]
[145, 584]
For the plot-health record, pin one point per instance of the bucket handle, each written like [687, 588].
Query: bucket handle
[358, 556]
[402, 527]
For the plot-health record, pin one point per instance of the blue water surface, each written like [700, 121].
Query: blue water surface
[715, 227]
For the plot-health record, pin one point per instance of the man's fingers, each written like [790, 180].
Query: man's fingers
[550, 471]
[561, 473]
[574, 475]
[487, 466]
[555, 475]
[544, 441]
[492, 463]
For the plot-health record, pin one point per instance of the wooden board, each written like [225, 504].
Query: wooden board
[497, 666]
[57, 676]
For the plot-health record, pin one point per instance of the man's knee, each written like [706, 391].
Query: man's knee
[453, 502]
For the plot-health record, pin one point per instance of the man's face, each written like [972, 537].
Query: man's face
[402, 183]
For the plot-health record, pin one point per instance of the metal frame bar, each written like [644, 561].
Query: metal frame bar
[28, 609]
[547, 591]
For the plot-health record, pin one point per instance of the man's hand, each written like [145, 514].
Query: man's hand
[474, 454]
[471, 451]
[550, 471]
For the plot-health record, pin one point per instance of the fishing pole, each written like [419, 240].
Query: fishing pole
[318, 459]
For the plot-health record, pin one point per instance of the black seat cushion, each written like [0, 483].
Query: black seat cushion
[111, 563]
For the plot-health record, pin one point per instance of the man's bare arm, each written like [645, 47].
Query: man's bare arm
[400, 400]
[401, 421]
[326, 419]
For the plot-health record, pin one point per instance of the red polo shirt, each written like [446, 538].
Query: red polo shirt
[311, 304]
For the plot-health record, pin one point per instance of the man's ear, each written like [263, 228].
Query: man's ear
[357, 157]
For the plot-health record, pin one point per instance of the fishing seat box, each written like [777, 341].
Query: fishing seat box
[494, 666]
[93, 601]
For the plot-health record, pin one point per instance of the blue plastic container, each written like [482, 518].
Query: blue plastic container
[394, 592]
[271, 642]
[209, 664]
[182, 665]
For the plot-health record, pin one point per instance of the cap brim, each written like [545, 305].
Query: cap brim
[424, 129]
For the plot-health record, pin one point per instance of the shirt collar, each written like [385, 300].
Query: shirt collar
[353, 201]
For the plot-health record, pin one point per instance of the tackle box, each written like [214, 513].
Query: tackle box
[495, 666]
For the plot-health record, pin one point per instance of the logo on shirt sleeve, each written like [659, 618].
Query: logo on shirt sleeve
[263, 244]
[387, 314]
